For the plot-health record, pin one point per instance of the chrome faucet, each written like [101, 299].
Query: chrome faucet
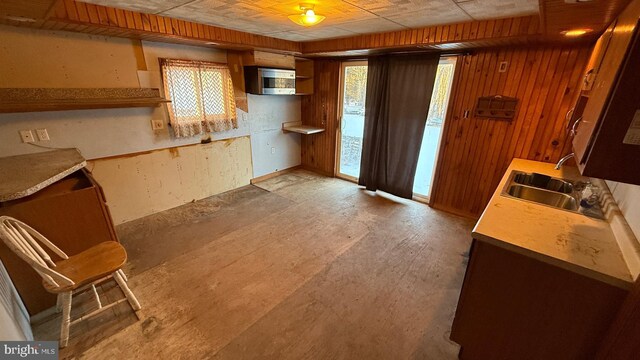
[563, 160]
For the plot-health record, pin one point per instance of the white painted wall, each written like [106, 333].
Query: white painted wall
[273, 150]
[628, 198]
[38, 58]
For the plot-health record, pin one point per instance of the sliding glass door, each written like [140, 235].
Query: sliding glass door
[433, 130]
[352, 99]
[352, 94]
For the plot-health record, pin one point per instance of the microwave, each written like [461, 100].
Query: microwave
[265, 81]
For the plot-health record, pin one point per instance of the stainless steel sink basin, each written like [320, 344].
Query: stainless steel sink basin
[541, 196]
[549, 191]
[543, 182]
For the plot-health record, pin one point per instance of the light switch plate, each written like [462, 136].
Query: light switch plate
[157, 124]
[27, 136]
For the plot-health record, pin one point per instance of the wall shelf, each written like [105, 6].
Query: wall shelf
[304, 76]
[15, 100]
[297, 127]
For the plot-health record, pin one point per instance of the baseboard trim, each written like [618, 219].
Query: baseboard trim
[316, 170]
[454, 211]
[274, 174]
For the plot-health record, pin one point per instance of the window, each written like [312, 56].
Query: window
[201, 95]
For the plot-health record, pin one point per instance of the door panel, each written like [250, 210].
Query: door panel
[352, 99]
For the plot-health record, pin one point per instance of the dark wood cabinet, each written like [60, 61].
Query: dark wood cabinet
[72, 213]
[608, 110]
[517, 307]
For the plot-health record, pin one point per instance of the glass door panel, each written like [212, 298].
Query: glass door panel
[433, 131]
[353, 91]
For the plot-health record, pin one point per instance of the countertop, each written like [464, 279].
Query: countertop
[23, 175]
[562, 238]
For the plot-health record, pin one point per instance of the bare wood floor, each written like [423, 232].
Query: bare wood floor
[300, 266]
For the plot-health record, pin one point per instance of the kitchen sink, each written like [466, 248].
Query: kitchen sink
[558, 200]
[543, 182]
[549, 191]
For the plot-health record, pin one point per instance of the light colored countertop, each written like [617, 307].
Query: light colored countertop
[565, 239]
[23, 175]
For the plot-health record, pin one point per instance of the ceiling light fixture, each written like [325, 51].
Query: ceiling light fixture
[308, 16]
[576, 32]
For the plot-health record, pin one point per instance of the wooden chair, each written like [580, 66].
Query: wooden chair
[72, 274]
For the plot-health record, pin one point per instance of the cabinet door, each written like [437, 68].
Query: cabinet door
[597, 56]
[613, 155]
[606, 77]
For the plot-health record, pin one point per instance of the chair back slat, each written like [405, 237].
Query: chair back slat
[56, 250]
[23, 240]
[43, 254]
[23, 244]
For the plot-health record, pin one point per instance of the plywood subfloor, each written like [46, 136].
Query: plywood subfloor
[299, 266]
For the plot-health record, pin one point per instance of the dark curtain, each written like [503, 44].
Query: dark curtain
[398, 95]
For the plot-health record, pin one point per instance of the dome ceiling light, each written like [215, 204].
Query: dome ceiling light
[308, 16]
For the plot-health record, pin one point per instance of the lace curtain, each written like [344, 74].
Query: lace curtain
[201, 95]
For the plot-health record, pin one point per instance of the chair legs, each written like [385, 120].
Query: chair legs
[127, 292]
[65, 303]
[123, 275]
[59, 303]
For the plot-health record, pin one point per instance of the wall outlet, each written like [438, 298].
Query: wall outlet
[43, 135]
[273, 150]
[27, 136]
[157, 124]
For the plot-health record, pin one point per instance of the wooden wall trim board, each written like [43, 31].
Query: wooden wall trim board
[236, 66]
[484, 32]
[70, 15]
[274, 174]
[475, 152]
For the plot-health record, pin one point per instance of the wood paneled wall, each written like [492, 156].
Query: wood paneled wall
[475, 152]
[481, 33]
[321, 109]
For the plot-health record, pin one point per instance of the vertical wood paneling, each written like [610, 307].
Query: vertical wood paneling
[475, 152]
[491, 32]
[321, 109]
[103, 20]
